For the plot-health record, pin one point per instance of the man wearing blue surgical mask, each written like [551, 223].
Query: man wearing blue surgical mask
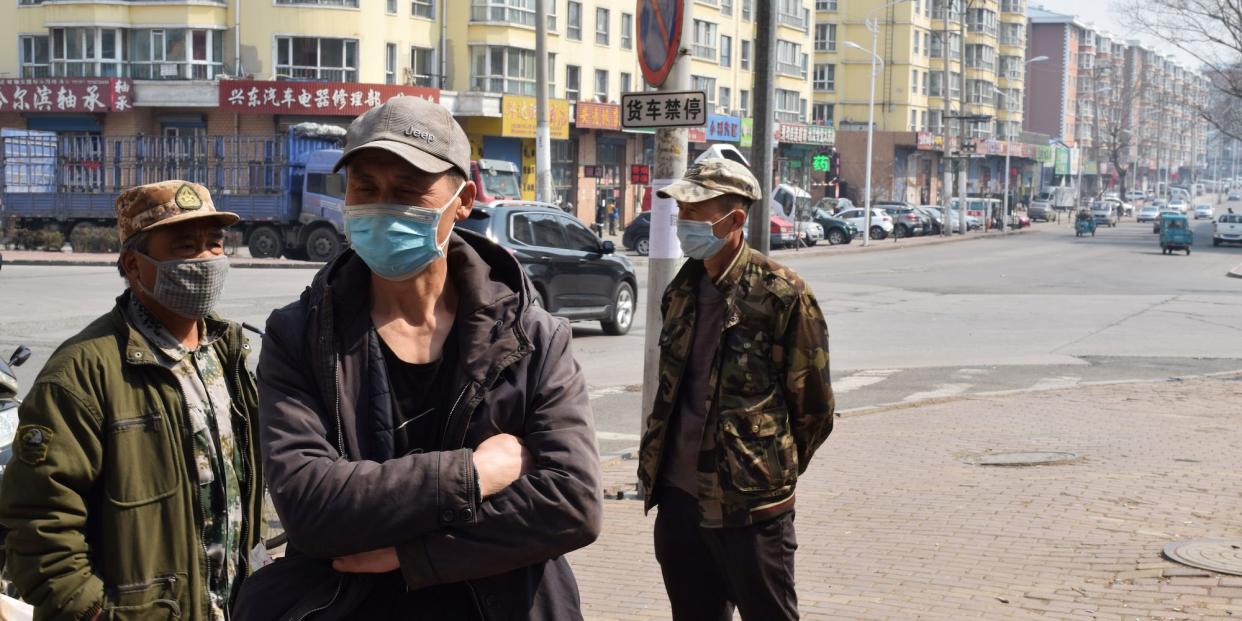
[426, 430]
[744, 402]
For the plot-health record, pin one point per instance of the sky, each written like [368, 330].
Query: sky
[1104, 15]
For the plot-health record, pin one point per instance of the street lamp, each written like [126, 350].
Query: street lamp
[870, 136]
[1008, 139]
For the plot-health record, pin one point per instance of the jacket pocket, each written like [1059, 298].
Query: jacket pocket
[143, 467]
[759, 452]
[747, 365]
[157, 599]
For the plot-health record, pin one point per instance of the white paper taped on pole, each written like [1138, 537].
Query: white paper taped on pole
[664, 214]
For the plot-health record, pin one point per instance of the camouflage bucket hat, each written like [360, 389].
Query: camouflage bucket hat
[168, 202]
[711, 178]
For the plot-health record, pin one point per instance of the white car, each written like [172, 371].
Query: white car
[1148, 213]
[1136, 195]
[1227, 230]
[973, 223]
[1180, 205]
[881, 223]
[1203, 211]
[812, 231]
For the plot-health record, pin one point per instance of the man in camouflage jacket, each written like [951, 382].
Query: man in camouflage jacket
[744, 400]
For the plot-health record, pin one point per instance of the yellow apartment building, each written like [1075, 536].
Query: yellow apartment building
[197, 69]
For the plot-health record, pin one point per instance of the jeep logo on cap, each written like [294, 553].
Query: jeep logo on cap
[421, 134]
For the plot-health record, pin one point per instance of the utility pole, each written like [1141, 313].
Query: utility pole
[671, 147]
[964, 167]
[764, 93]
[543, 134]
[946, 193]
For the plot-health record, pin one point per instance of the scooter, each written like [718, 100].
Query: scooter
[9, 403]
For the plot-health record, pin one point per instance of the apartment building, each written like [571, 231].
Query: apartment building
[985, 45]
[206, 68]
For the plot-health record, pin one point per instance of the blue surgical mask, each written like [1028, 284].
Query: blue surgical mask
[397, 242]
[697, 238]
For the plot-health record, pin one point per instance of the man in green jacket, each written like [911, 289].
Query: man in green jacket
[135, 489]
[743, 402]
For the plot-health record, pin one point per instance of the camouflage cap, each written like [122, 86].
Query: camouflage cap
[713, 177]
[168, 202]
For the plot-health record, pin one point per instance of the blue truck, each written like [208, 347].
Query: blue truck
[283, 187]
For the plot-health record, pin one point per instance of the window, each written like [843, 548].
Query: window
[821, 113]
[551, 76]
[601, 85]
[926, 43]
[746, 10]
[1013, 34]
[537, 229]
[825, 37]
[346, 3]
[743, 103]
[1011, 67]
[326, 184]
[981, 57]
[423, 8]
[825, 78]
[936, 117]
[923, 120]
[914, 81]
[980, 92]
[926, 76]
[390, 63]
[789, 59]
[790, 13]
[825, 5]
[579, 237]
[726, 7]
[175, 54]
[574, 30]
[601, 26]
[34, 60]
[982, 20]
[788, 106]
[707, 85]
[500, 69]
[93, 52]
[422, 67]
[937, 84]
[916, 42]
[704, 40]
[725, 101]
[627, 31]
[955, 85]
[516, 12]
[914, 120]
[310, 58]
[391, 7]
[726, 51]
[626, 82]
[573, 86]
[746, 55]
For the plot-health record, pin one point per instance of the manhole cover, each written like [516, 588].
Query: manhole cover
[1024, 458]
[1218, 555]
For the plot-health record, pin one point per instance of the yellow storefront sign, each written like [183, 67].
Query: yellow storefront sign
[520, 120]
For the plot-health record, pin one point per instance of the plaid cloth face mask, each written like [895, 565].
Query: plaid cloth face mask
[188, 287]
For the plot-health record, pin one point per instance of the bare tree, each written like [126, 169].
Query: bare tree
[1210, 31]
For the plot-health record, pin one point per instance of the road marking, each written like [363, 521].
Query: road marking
[609, 391]
[941, 391]
[861, 379]
[1064, 381]
[613, 436]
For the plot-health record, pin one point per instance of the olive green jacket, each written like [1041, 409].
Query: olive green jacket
[771, 402]
[100, 494]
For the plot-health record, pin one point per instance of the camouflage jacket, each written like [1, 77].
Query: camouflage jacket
[771, 405]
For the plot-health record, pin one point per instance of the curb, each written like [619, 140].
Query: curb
[878, 246]
[1235, 272]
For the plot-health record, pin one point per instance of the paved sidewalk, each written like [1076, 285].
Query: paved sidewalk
[892, 524]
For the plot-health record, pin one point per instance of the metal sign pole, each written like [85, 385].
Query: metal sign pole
[764, 93]
[543, 134]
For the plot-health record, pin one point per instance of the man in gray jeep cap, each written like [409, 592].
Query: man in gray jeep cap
[426, 431]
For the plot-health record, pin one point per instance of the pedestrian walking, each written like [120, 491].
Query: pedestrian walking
[744, 401]
[135, 481]
[614, 214]
[426, 430]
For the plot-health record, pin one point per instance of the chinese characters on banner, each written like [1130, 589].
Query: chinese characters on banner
[318, 98]
[589, 115]
[797, 133]
[66, 95]
[722, 128]
[640, 110]
[520, 119]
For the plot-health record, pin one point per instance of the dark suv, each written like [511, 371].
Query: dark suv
[907, 221]
[637, 236]
[576, 276]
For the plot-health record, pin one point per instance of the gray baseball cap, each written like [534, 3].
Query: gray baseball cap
[423, 133]
[713, 177]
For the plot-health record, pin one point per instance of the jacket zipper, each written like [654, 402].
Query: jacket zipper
[306, 615]
[248, 491]
[142, 421]
[340, 424]
[169, 579]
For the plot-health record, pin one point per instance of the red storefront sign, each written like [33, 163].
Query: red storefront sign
[319, 98]
[588, 115]
[66, 95]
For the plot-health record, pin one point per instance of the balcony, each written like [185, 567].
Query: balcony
[175, 71]
[316, 74]
[704, 52]
[791, 70]
[503, 15]
[798, 22]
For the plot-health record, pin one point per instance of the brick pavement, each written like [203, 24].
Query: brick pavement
[893, 525]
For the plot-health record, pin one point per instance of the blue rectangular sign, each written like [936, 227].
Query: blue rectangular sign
[722, 128]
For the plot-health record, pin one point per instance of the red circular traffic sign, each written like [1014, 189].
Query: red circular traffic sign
[659, 37]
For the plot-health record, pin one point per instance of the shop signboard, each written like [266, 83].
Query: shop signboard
[313, 98]
[640, 174]
[520, 118]
[1062, 161]
[723, 128]
[747, 139]
[589, 115]
[1044, 155]
[91, 95]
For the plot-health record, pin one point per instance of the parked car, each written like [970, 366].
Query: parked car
[637, 235]
[1040, 210]
[836, 230]
[907, 222]
[782, 232]
[973, 223]
[576, 276]
[1204, 211]
[935, 222]
[1227, 229]
[881, 222]
[1136, 195]
[834, 205]
[813, 232]
[1235, 195]
[1148, 213]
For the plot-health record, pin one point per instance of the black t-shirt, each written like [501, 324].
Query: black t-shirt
[421, 399]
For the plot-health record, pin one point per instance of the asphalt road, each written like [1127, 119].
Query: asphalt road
[1031, 311]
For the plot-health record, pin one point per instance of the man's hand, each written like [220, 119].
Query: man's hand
[499, 461]
[373, 562]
